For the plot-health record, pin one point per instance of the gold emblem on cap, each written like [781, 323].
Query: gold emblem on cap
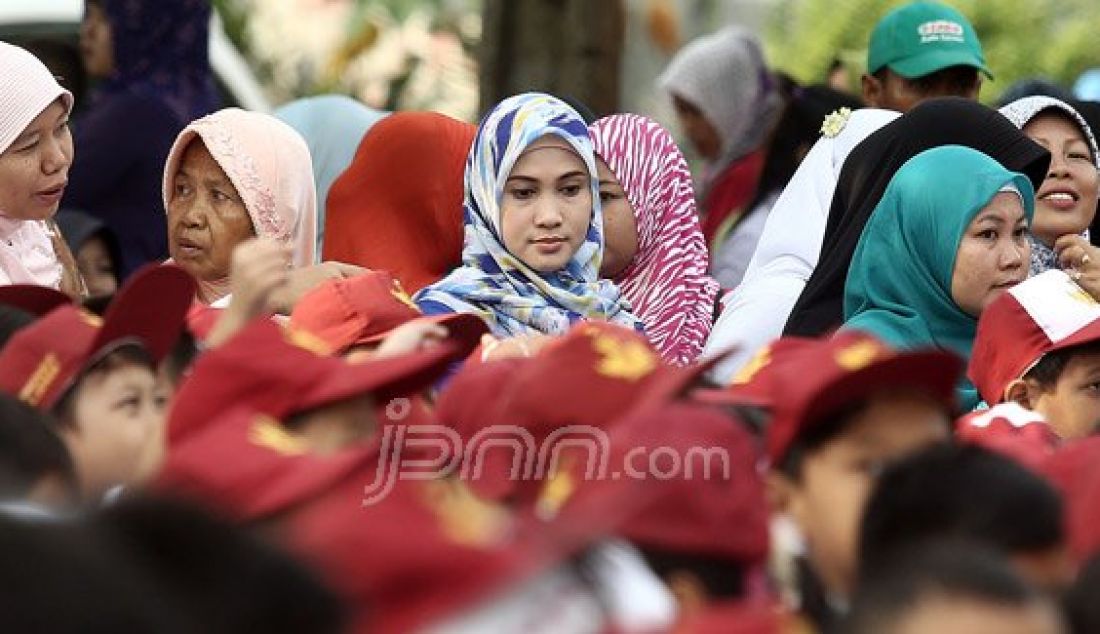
[306, 340]
[268, 433]
[759, 361]
[557, 490]
[1077, 293]
[628, 360]
[858, 355]
[400, 295]
[40, 380]
[463, 516]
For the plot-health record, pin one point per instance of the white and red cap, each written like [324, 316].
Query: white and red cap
[1045, 313]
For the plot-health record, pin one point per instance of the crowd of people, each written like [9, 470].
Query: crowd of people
[336, 369]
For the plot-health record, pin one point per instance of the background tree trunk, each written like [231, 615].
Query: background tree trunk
[569, 48]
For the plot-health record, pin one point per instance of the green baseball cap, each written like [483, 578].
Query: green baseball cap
[920, 38]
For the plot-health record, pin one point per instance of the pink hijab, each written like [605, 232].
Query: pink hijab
[269, 165]
[666, 282]
[26, 251]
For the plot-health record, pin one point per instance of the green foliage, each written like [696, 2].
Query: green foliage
[1056, 39]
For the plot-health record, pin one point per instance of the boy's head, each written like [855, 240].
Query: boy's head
[850, 407]
[950, 588]
[1038, 344]
[967, 492]
[34, 464]
[919, 51]
[97, 376]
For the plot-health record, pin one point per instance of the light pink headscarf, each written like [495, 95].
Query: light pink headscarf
[666, 283]
[26, 251]
[269, 165]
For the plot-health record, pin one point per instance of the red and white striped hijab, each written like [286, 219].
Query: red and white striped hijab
[666, 283]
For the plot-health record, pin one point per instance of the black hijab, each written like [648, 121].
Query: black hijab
[867, 172]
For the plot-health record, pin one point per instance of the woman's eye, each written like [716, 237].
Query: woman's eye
[522, 194]
[571, 190]
[988, 234]
[1080, 156]
[1020, 232]
[30, 146]
[64, 125]
[219, 196]
[182, 189]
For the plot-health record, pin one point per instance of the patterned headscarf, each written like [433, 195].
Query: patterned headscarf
[666, 283]
[160, 50]
[493, 283]
[1020, 113]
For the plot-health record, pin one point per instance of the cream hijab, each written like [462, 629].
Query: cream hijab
[269, 165]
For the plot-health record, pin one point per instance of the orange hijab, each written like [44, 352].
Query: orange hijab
[398, 206]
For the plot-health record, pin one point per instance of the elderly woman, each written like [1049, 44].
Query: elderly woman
[231, 176]
[36, 150]
[949, 236]
[534, 226]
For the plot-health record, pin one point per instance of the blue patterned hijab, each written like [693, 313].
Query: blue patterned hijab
[493, 283]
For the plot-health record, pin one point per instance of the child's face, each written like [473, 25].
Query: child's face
[827, 503]
[96, 267]
[116, 436]
[1072, 405]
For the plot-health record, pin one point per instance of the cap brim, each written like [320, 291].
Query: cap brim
[934, 372]
[934, 61]
[466, 329]
[1088, 334]
[405, 374]
[36, 300]
[151, 309]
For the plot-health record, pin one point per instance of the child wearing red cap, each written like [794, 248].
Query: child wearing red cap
[1038, 345]
[843, 408]
[97, 376]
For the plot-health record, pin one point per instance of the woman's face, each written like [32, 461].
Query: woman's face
[546, 206]
[1066, 202]
[35, 168]
[620, 232]
[96, 44]
[993, 255]
[700, 131]
[207, 218]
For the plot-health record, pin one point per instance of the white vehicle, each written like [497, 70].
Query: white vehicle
[52, 28]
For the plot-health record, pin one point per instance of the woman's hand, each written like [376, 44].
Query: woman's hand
[415, 335]
[1081, 261]
[303, 280]
[526, 346]
[257, 274]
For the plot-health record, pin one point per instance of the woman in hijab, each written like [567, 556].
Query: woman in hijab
[151, 60]
[333, 127]
[947, 238]
[654, 249]
[398, 206]
[728, 103]
[868, 170]
[231, 176]
[1065, 203]
[753, 314]
[534, 226]
[36, 151]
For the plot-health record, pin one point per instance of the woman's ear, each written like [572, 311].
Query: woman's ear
[1023, 392]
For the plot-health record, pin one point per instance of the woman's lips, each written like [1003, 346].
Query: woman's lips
[188, 248]
[549, 246]
[1060, 199]
[51, 195]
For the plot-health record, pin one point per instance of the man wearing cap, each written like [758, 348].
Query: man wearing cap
[922, 50]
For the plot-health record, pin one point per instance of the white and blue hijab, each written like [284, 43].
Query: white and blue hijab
[492, 282]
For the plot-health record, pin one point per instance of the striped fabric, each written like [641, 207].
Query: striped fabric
[667, 281]
[494, 284]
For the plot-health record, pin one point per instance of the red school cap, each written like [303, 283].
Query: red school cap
[43, 360]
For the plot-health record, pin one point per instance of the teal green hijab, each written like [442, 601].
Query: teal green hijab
[899, 283]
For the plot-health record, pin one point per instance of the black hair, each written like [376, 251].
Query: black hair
[797, 130]
[953, 80]
[959, 492]
[12, 320]
[57, 577]
[723, 579]
[1033, 87]
[1080, 604]
[949, 570]
[181, 356]
[64, 410]
[816, 434]
[30, 451]
[217, 575]
[1050, 367]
